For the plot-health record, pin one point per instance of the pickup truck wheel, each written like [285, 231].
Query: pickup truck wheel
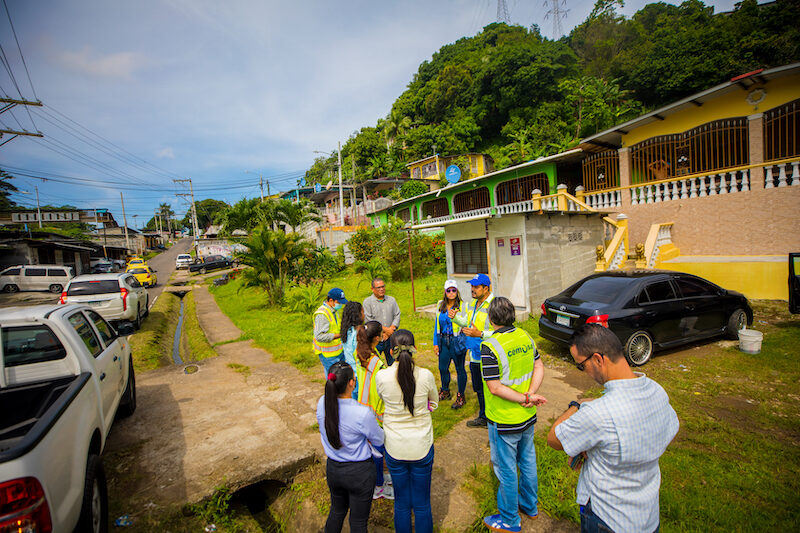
[94, 510]
[11, 288]
[127, 405]
[203, 270]
[55, 288]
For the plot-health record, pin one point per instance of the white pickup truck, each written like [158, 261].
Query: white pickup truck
[64, 374]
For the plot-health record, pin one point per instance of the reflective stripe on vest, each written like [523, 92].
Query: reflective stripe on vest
[331, 348]
[456, 327]
[363, 393]
[515, 352]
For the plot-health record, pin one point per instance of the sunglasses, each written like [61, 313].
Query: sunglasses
[451, 289]
[582, 365]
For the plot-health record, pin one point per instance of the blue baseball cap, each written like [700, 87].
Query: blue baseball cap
[338, 295]
[480, 279]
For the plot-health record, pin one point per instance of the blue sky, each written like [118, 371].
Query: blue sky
[163, 89]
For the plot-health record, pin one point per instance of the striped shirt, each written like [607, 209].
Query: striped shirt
[490, 369]
[623, 434]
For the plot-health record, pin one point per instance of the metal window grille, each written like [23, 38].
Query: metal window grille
[520, 189]
[435, 208]
[600, 171]
[404, 214]
[469, 257]
[782, 131]
[469, 200]
[713, 146]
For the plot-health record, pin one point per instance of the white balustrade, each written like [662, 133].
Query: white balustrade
[723, 186]
[745, 185]
[795, 173]
[702, 186]
[768, 179]
[782, 175]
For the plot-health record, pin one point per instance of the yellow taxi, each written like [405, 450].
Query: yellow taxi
[143, 274]
[136, 262]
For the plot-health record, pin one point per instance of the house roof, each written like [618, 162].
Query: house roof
[612, 137]
[440, 156]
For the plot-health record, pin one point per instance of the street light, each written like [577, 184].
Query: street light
[38, 209]
[341, 198]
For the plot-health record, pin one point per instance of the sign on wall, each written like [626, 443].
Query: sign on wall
[453, 174]
[501, 242]
[516, 249]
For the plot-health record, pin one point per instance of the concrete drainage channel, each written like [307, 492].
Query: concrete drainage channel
[176, 340]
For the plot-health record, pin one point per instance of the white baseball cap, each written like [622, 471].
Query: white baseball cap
[450, 283]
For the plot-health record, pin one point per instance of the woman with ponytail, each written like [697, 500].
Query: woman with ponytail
[347, 430]
[409, 394]
[368, 337]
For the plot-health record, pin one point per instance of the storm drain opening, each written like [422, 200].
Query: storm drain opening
[190, 369]
[258, 498]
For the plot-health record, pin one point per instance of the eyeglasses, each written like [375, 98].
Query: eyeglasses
[379, 287]
[451, 289]
[582, 365]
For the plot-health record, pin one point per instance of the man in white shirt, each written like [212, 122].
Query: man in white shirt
[621, 436]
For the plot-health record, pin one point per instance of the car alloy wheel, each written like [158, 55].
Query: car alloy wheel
[639, 348]
[11, 288]
[55, 288]
[736, 322]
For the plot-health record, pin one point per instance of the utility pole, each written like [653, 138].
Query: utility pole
[38, 209]
[261, 184]
[125, 222]
[195, 227]
[341, 196]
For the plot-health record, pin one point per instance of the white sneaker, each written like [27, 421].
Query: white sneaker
[377, 493]
[388, 492]
[387, 478]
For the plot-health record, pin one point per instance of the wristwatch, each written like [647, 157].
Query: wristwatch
[574, 404]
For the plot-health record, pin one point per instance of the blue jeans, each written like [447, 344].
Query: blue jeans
[448, 353]
[591, 523]
[412, 490]
[327, 362]
[378, 461]
[385, 348]
[510, 451]
[477, 386]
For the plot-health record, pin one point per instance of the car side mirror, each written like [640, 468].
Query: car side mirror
[125, 328]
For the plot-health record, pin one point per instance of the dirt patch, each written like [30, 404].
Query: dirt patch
[735, 411]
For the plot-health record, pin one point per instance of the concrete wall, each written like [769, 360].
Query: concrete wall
[561, 251]
[758, 222]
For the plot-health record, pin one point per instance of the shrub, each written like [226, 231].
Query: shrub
[413, 188]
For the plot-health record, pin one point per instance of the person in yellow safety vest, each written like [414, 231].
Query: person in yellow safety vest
[475, 325]
[327, 342]
[369, 362]
[512, 373]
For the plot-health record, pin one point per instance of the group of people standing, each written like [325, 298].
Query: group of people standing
[375, 410]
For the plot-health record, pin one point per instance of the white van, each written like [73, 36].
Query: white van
[51, 278]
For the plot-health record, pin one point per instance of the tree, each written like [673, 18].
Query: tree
[6, 188]
[412, 188]
[273, 256]
[207, 211]
[396, 124]
[295, 214]
[246, 214]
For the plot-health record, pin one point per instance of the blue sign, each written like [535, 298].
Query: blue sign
[453, 174]
[317, 187]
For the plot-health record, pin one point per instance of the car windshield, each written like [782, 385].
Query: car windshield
[79, 288]
[600, 290]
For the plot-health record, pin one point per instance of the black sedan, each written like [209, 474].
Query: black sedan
[646, 309]
[210, 262]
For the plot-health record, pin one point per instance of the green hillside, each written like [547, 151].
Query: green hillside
[516, 95]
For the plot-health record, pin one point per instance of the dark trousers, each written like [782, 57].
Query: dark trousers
[448, 353]
[477, 386]
[385, 348]
[591, 523]
[351, 486]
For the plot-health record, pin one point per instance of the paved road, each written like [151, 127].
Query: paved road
[164, 264]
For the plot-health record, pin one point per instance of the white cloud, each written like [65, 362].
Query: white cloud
[166, 153]
[116, 66]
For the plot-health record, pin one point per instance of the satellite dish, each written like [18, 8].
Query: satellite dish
[453, 174]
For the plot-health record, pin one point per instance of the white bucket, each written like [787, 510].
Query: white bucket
[750, 340]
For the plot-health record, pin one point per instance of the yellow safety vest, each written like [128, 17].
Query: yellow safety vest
[367, 388]
[331, 348]
[456, 327]
[515, 352]
[477, 318]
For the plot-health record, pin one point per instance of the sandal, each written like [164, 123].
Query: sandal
[444, 395]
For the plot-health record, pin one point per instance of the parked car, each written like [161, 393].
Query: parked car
[183, 261]
[210, 262]
[67, 373]
[104, 268]
[647, 310]
[145, 275]
[51, 278]
[115, 296]
[136, 261]
[794, 283]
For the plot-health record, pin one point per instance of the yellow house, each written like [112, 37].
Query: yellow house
[431, 168]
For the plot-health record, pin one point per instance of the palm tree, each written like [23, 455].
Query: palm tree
[246, 214]
[394, 126]
[272, 254]
[295, 214]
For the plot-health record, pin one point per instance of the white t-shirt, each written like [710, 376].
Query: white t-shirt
[407, 438]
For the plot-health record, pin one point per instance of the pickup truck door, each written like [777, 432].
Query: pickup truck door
[111, 342]
[106, 367]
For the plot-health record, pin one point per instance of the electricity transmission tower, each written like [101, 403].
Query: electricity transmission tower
[558, 10]
[502, 12]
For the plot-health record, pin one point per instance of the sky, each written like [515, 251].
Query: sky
[137, 94]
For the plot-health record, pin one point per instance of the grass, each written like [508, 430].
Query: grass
[732, 466]
[196, 341]
[152, 344]
[241, 369]
[287, 336]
